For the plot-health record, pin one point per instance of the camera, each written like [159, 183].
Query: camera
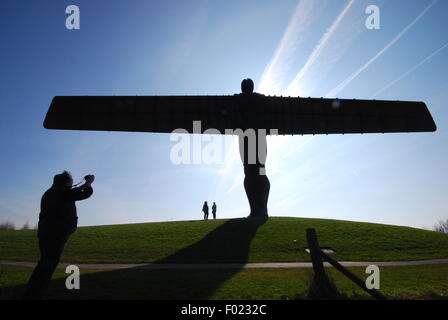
[89, 177]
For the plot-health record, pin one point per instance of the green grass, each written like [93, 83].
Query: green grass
[414, 282]
[236, 240]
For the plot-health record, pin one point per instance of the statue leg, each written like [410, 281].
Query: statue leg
[248, 186]
[263, 194]
[257, 190]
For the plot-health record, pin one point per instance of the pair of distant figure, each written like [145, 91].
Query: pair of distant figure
[205, 210]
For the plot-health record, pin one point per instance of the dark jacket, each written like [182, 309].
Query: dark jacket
[57, 216]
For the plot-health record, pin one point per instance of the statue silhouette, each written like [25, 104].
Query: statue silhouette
[253, 155]
[245, 111]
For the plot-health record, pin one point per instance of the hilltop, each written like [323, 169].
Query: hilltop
[233, 241]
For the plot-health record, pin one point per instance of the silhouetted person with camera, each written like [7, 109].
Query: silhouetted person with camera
[214, 210]
[205, 210]
[57, 221]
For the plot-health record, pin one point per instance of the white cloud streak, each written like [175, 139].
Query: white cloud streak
[409, 71]
[295, 33]
[355, 74]
[321, 46]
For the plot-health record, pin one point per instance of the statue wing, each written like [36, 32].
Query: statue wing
[288, 115]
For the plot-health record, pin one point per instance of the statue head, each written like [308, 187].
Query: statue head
[247, 86]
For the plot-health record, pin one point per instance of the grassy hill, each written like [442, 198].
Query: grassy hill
[234, 240]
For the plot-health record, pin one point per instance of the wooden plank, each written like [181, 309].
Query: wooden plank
[374, 293]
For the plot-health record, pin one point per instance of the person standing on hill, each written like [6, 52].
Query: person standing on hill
[57, 221]
[205, 210]
[214, 210]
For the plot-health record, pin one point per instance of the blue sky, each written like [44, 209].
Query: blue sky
[298, 48]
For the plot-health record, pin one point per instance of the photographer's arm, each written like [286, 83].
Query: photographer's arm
[82, 192]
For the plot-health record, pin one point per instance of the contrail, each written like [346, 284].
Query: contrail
[344, 83]
[409, 71]
[319, 48]
[294, 34]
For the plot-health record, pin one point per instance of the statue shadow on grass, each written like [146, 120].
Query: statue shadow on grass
[227, 244]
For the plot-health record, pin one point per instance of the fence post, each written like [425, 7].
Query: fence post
[321, 280]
